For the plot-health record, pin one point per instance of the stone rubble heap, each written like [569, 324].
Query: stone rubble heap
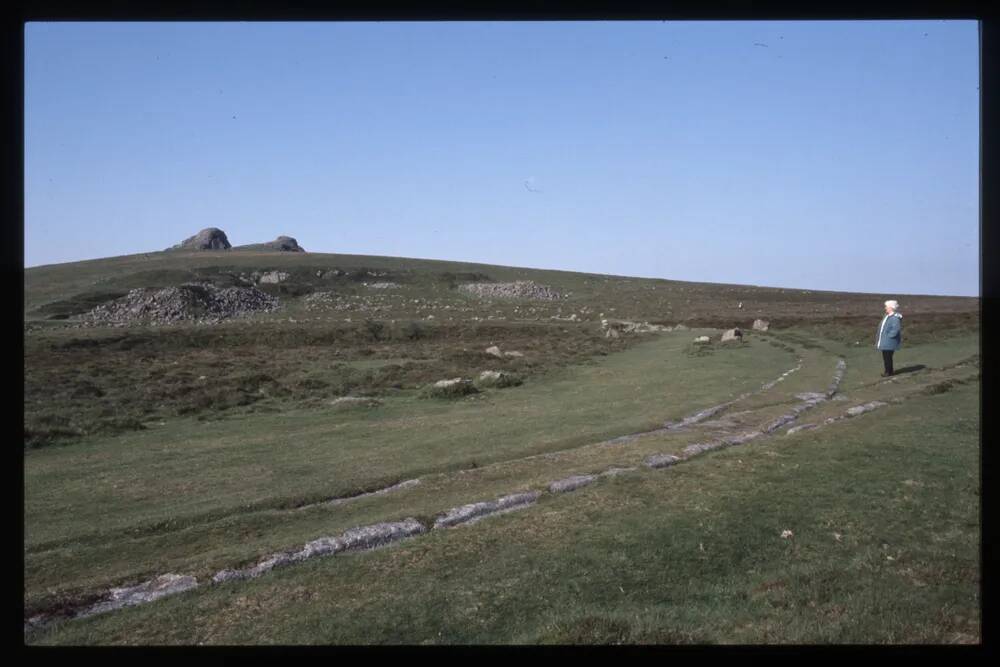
[519, 289]
[203, 303]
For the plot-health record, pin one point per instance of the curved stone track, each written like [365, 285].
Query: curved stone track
[734, 429]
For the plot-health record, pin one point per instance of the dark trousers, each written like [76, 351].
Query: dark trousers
[887, 361]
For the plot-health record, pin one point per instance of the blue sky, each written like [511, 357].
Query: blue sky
[826, 155]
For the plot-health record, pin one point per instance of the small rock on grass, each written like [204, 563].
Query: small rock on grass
[355, 402]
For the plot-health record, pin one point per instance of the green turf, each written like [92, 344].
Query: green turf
[189, 469]
[188, 449]
[884, 549]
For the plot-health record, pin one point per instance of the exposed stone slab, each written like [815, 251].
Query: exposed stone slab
[154, 589]
[380, 492]
[661, 460]
[223, 576]
[380, 534]
[611, 472]
[701, 447]
[802, 427]
[741, 438]
[696, 417]
[779, 422]
[518, 499]
[622, 440]
[867, 407]
[463, 513]
[333, 502]
[322, 547]
[512, 503]
[363, 537]
[571, 483]
[467, 513]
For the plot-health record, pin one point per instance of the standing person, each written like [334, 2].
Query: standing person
[889, 335]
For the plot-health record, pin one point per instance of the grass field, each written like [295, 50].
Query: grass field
[193, 449]
[884, 515]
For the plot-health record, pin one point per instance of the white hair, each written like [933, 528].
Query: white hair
[892, 304]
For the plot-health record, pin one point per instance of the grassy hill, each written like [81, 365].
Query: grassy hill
[191, 448]
[76, 285]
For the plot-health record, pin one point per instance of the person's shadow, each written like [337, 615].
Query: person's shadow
[909, 369]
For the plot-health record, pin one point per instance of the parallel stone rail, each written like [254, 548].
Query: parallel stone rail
[474, 511]
[382, 534]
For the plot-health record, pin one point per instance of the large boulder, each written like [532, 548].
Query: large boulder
[761, 325]
[732, 334]
[210, 238]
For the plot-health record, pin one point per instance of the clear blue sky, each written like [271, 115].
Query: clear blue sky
[826, 155]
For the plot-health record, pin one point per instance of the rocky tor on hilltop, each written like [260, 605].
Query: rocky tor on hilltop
[210, 238]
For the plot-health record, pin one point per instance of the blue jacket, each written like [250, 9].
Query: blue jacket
[890, 332]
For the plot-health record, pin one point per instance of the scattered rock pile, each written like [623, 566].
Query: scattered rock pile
[520, 289]
[204, 303]
[322, 300]
[616, 328]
